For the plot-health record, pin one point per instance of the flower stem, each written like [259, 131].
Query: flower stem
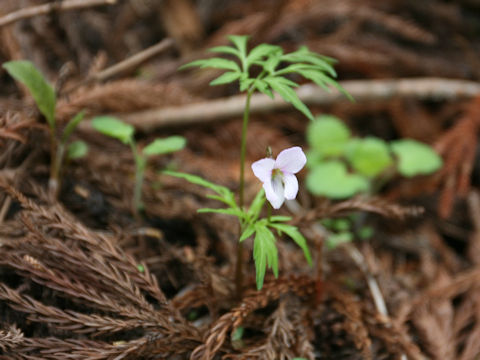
[243, 150]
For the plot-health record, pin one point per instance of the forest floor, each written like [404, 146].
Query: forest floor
[82, 278]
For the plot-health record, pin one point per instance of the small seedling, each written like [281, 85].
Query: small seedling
[44, 95]
[266, 69]
[342, 166]
[115, 128]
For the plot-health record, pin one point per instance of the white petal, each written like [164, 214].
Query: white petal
[291, 186]
[291, 160]
[274, 192]
[263, 169]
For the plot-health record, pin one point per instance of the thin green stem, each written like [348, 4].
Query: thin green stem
[140, 163]
[55, 164]
[243, 150]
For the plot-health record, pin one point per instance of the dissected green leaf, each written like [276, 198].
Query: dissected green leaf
[261, 51]
[42, 92]
[227, 211]
[225, 50]
[114, 127]
[72, 124]
[296, 236]
[369, 156]
[226, 78]
[256, 206]
[262, 86]
[275, 218]
[249, 230]
[284, 88]
[225, 195]
[327, 135]
[165, 146]
[264, 254]
[240, 42]
[77, 149]
[215, 63]
[331, 179]
[415, 158]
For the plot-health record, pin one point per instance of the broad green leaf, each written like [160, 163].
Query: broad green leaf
[77, 149]
[296, 236]
[225, 50]
[72, 124]
[327, 135]
[331, 179]
[165, 146]
[334, 240]
[42, 92]
[264, 254]
[256, 206]
[261, 51]
[215, 63]
[283, 87]
[226, 78]
[415, 158]
[113, 127]
[369, 156]
[366, 232]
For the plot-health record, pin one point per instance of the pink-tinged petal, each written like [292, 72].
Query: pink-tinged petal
[263, 169]
[274, 192]
[291, 186]
[291, 160]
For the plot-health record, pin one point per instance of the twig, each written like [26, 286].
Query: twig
[51, 7]
[128, 64]
[361, 90]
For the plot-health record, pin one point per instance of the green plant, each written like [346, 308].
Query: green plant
[115, 128]
[45, 98]
[265, 69]
[341, 166]
[263, 229]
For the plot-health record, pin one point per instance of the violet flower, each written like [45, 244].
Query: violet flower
[278, 177]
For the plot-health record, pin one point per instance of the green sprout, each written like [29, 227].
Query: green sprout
[341, 166]
[115, 128]
[44, 95]
[266, 69]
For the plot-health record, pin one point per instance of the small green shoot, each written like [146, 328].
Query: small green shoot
[45, 98]
[341, 166]
[116, 128]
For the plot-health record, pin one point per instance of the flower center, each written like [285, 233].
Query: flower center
[277, 173]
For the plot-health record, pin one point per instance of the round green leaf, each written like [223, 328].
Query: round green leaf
[415, 158]
[369, 156]
[336, 239]
[164, 146]
[113, 127]
[328, 135]
[331, 179]
[77, 149]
